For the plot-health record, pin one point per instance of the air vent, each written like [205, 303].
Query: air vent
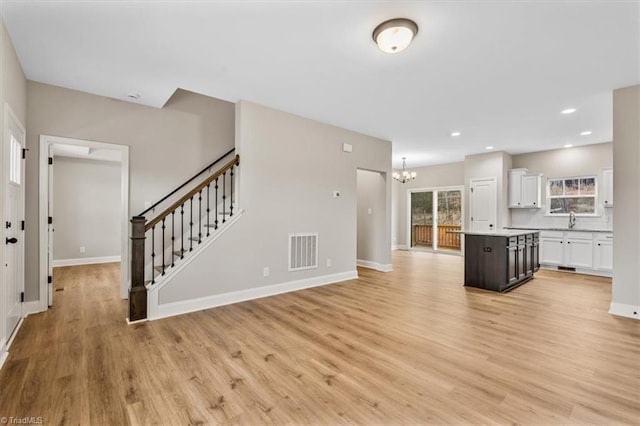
[303, 251]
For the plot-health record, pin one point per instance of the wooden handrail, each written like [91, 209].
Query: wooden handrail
[151, 223]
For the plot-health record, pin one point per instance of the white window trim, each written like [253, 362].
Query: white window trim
[549, 197]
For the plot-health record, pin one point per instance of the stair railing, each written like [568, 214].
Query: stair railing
[167, 231]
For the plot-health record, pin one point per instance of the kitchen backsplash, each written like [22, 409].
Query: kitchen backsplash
[536, 218]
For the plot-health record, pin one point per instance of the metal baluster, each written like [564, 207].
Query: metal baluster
[153, 255]
[215, 222]
[200, 217]
[224, 196]
[162, 246]
[191, 226]
[182, 231]
[231, 205]
[208, 210]
[173, 238]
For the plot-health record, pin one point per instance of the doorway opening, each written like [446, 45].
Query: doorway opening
[373, 249]
[434, 216]
[84, 208]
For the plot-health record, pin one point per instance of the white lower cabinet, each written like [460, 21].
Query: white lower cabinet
[588, 252]
[603, 256]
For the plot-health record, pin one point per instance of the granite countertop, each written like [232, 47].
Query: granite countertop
[501, 233]
[564, 229]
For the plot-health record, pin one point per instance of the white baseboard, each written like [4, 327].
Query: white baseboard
[85, 261]
[399, 247]
[624, 310]
[157, 311]
[32, 307]
[374, 265]
[4, 354]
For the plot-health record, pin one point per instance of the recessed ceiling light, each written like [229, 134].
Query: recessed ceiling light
[568, 111]
[586, 133]
[454, 134]
[133, 95]
[395, 35]
[568, 145]
[488, 148]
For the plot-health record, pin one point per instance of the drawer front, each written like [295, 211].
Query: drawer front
[551, 234]
[577, 235]
[512, 241]
[604, 236]
[521, 239]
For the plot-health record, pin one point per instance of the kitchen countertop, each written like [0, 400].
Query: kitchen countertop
[564, 229]
[501, 233]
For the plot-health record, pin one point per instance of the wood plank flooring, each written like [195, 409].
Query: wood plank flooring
[408, 347]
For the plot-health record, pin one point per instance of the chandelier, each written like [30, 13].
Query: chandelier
[405, 176]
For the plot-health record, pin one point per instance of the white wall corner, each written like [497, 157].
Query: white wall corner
[624, 310]
[157, 311]
[32, 307]
[374, 265]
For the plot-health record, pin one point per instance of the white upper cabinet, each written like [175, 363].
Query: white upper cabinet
[524, 189]
[607, 187]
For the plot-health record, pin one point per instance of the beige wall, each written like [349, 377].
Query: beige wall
[167, 145]
[86, 205]
[289, 168]
[442, 175]
[576, 161]
[626, 165]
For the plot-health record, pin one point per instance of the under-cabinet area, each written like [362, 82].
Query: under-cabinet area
[578, 251]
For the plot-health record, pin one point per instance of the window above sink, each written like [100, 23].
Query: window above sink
[572, 194]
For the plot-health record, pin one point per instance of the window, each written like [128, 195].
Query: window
[576, 194]
[14, 161]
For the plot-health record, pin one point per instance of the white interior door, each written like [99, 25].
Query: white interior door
[50, 230]
[14, 220]
[484, 205]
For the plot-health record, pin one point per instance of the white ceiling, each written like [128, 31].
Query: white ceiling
[499, 72]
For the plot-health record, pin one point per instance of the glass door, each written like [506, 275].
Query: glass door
[434, 214]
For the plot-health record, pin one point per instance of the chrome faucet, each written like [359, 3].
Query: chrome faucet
[572, 219]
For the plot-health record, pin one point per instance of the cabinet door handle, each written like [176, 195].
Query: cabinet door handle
[568, 242]
[598, 243]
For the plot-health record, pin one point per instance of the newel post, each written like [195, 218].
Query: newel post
[138, 291]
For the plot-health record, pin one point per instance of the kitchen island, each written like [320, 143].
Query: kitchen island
[502, 260]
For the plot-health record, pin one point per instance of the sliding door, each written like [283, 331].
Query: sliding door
[434, 215]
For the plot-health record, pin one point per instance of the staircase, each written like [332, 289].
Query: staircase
[160, 245]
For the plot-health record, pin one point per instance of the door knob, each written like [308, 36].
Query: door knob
[12, 240]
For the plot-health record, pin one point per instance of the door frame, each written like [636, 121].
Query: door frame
[433, 189]
[45, 142]
[495, 182]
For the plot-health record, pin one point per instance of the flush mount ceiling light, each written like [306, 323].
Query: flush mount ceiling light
[405, 176]
[395, 35]
[568, 111]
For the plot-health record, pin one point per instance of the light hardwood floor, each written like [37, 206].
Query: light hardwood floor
[408, 347]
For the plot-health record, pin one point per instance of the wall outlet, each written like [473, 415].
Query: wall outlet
[329, 263]
[265, 271]
[82, 249]
[336, 194]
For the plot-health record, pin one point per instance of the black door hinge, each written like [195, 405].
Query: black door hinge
[50, 160]
[24, 153]
[22, 225]
[50, 220]
[22, 297]
[49, 279]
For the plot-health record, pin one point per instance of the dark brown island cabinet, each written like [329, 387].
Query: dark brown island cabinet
[500, 261]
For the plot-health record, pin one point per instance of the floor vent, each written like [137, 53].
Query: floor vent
[303, 251]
